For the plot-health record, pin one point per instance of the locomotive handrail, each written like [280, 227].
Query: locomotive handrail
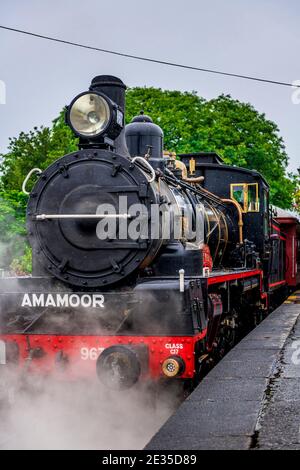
[82, 216]
[34, 170]
[150, 168]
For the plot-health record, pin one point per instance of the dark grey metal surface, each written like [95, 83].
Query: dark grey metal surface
[251, 399]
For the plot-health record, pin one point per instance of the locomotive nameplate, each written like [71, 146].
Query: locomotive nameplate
[63, 300]
[62, 312]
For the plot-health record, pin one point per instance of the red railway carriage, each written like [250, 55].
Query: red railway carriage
[289, 226]
[144, 267]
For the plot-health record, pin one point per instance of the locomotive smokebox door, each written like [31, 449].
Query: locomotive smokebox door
[65, 223]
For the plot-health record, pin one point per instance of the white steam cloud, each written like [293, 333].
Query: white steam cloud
[80, 416]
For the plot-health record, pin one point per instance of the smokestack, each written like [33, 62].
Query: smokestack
[114, 88]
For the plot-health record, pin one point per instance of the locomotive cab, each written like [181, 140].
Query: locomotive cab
[244, 187]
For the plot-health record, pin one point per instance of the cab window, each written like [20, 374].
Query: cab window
[238, 193]
[252, 201]
[246, 194]
[266, 213]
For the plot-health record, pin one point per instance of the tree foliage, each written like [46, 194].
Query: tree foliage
[235, 130]
[12, 227]
[37, 148]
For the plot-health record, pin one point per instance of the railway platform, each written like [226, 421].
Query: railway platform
[251, 399]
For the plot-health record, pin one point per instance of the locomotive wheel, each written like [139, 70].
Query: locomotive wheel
[118, 367]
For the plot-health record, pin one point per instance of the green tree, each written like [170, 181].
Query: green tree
[180, 115]
[12, 227]
[245, 138]
[37, 148]
[235, 130]
[296, 202]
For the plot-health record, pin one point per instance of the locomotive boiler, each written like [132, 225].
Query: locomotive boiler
[144, 264]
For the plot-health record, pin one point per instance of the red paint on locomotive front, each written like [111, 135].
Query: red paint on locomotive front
[74, 357]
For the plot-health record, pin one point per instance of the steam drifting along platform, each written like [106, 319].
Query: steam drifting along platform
[251, 399]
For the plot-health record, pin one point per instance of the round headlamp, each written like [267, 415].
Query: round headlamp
[89, 114]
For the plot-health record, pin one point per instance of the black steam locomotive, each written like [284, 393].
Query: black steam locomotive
[145, 264]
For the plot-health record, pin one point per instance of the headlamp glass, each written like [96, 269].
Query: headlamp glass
[90, 114]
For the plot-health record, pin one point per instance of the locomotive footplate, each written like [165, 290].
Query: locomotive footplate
[154, 306]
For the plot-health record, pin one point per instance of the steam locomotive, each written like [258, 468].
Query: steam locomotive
[145, 264]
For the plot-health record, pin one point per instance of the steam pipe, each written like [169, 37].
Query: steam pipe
[194, 180]
[240, 214]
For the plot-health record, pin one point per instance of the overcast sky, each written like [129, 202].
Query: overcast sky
[257, 37]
